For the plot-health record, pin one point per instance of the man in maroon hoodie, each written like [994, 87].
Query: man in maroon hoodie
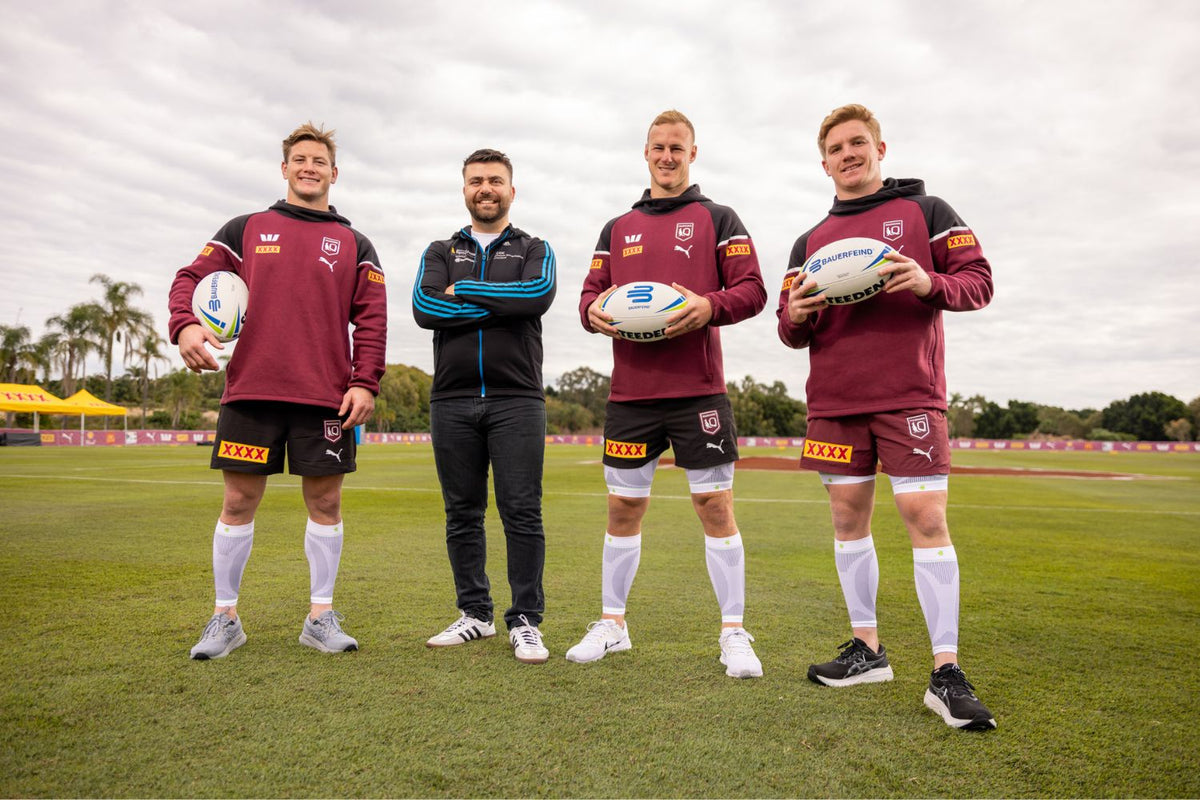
[877, 394]
[671, 393]
[297, 382]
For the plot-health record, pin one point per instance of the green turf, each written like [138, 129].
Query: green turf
[1081, 604]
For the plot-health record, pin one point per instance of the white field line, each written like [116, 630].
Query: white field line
[740, 500]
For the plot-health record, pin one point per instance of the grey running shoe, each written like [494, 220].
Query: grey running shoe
[464, 629]
[527, 644]
[222, 635]
[952, 696]
[325, 634]
[857, 663]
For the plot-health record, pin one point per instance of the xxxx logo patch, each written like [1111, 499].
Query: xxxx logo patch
[244, 452]
[825, 451]
[624, 449]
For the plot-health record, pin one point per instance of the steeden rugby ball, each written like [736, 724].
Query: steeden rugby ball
[219, 302]
[847, 270]
[640, 309]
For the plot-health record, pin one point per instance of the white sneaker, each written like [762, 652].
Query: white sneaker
[737, 655]
[603, 636]
[464, 629]
[527, 644]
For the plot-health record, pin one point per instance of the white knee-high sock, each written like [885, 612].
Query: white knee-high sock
[231, 551]
[858, 571]
[323, 546]
[936, 572]
[726, 559]
[621, 557]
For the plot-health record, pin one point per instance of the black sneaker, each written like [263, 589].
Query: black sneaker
[857, 663]
[952, 695]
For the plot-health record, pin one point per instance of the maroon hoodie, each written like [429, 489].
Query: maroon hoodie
[887, 353]
[692, 241]
[310, 277]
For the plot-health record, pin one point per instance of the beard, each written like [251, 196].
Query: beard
[489, 215]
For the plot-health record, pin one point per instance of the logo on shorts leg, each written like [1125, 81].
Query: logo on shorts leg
[918, 426]
[244, 452]
[824, 451]
[333, 430]
[710, 422]
[624, 449]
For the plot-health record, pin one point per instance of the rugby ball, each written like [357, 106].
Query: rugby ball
[639, 310]
[219, 302]
[846, 270]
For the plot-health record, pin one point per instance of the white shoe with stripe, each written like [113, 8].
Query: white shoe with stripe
[464, 629]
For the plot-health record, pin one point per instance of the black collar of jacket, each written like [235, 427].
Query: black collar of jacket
[509, 232]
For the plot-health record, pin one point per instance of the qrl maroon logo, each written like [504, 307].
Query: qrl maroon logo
[893, 229]
[684, 230]
[333, 429]
[710, 422]
[331, 247]
[918, 426]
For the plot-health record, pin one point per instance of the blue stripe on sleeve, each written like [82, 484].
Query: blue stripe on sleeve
[436, 307]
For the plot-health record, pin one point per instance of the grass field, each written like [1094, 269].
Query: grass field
[1080, 628]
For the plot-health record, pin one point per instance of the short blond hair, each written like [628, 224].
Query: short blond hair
[846, 114]
[670, 117]
[311, 133]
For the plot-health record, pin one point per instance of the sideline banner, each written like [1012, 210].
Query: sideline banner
[69, 438]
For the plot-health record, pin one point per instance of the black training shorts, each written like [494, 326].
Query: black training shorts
[699, 429]
[253, 434]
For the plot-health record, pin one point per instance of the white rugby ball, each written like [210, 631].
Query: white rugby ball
[640, 309]
[219, 302]
[846, 270]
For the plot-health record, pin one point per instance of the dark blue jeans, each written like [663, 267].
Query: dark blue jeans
[510, 434]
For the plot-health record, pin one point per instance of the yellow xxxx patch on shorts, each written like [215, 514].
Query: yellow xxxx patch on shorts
[624, 449]
[824, 451]
[243, 452]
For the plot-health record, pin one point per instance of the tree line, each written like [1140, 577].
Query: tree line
[183, 400]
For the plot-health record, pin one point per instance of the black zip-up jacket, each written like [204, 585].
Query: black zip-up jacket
[487, 336]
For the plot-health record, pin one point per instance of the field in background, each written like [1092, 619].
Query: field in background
[1081, 604]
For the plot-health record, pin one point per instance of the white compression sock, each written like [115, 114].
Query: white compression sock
[231, 551]
[323, 546]
[726, 559]
[936, 572]
[858, 571]
[620, 564]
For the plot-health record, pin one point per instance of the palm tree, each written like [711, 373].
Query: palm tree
[182, 394]
[14, 345]
[41, 354]
[149, 350]
[75, 340]
[118, 318]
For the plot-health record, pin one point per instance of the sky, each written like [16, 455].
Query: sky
[1066, 134]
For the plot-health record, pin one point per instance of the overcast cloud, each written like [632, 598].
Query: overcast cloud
[1067, 134]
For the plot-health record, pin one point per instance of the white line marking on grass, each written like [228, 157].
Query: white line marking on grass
[109, 468]
[772, 500]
